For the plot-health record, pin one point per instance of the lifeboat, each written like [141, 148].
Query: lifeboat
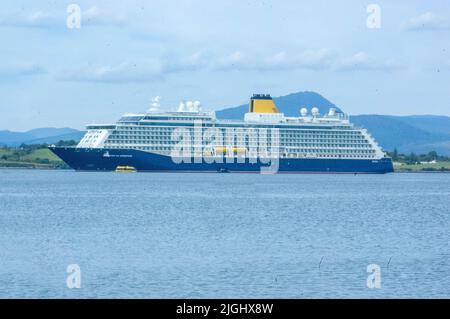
[125, 169]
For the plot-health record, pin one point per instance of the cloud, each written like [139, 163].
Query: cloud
[362, 62]
[37, 19]
[192, 62]
[151, 70]
[120, 73]
[426, 22]
[92, 16]
[144, 71]
[320, 59]
[278, 61]
[310, 59]
[234, 61]
[95, 16]
[21, 69]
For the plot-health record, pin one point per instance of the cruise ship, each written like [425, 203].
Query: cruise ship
[265, 141]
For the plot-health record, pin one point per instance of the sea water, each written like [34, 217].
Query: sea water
[192, 235]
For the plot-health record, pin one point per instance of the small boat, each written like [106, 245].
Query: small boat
[125, 169]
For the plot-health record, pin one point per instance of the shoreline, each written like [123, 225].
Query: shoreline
[70, 169]
[35, 168]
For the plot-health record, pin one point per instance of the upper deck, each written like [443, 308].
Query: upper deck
[262, 120]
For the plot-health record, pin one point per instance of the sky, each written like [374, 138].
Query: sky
[367, 57]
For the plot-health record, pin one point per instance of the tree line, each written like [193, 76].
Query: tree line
[22, 153]
[413, 158]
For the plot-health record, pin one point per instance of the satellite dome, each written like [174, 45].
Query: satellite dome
[190, 106]
[197, 105]
[303, 111]
[315, 111]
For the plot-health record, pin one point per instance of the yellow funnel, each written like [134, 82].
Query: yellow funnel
[262, 103]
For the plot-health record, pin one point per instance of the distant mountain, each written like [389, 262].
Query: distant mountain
[417, 133]
[289, 104]
[9, 138]
[39, 136]
[429, 123]
[76, 136]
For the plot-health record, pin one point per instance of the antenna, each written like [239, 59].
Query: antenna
[197, 106]
[332, 111]
[155, 104]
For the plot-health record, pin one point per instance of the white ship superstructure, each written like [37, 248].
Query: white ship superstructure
[309, 135]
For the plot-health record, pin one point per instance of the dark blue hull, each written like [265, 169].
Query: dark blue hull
[85, 159]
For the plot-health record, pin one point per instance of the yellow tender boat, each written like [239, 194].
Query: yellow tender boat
[125, 169]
